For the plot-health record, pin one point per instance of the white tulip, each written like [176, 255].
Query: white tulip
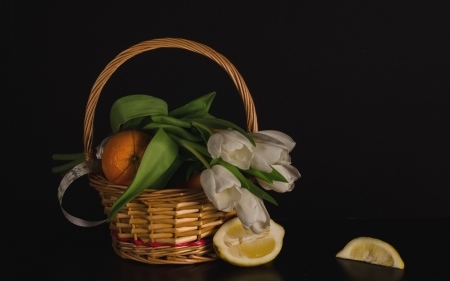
[290, 173]
[224, 190]
[280, 136]
[232, 146]
[221, 187]
[272, 147]
[252, 212]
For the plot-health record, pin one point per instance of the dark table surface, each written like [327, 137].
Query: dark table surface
[308, 253]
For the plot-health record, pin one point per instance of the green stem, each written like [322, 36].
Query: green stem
[199, 156]
[67, 166]
[200, 148]
[203, 127]
[171, 121]
[190, 146]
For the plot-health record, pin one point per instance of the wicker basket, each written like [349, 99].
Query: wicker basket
[169, 226]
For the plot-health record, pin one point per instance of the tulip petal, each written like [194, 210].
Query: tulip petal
[277, 186]
[215, 145]
[233, 140]
[259, 163]
[285, 159]
[236, 136]
[221, 187]
[290, 173]
[232, 146]
[224, 178]
[223, 202]
[240, 158]
[262, 138]
[252, 212]
[235, 193]
[208, 183]
[246, 183]
[284, 138]
[271, 153]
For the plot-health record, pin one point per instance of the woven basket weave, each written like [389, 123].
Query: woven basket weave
[169, 226]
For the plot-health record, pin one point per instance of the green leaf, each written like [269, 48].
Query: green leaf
[171, 121]
[204, 131]
[275, 175]
[135, 106]
[267, 177]
[159, 156]
[196, 108]
[194, 148]
[198, 147]
[214, 161]
[193, 167]
[185, 171]
[161, 182]
[133, 124]
[246, 183]
[258, 174]
[75, 159]
[259, 192]
[221, 124]
[175, 130]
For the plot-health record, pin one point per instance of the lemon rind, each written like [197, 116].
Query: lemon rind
[221, 248]
[345, 252]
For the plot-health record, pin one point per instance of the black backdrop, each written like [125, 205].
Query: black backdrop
[361, 88]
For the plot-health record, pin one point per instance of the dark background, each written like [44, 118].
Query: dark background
[361, 87]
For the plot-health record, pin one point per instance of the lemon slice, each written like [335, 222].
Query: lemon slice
[371, 250]
[241, 247]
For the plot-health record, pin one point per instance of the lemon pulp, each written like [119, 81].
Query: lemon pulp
[243, 242]
[241, 247]
[372, 253]
[372, 250]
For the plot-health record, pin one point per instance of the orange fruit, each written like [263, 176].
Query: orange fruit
[194, 181]
[122, 156]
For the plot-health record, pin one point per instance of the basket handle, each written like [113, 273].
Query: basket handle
[252, 123]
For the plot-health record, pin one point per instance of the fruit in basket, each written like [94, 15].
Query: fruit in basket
[122, 156]
[194, 181]
[241, 247]
[371, 250]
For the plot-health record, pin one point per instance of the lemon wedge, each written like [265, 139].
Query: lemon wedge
[372, 250]
[241, 247]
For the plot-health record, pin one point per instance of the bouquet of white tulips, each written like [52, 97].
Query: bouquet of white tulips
[237, 168]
